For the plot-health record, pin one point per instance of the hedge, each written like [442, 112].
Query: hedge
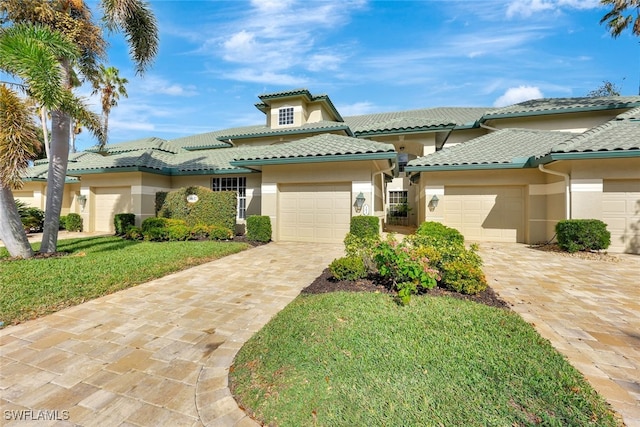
[583, 235]
[259, 228]
[122, 222]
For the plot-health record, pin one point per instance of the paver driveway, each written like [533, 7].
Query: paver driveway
[589, 310]
[158, 353]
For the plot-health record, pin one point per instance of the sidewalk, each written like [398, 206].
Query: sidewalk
[155, 354]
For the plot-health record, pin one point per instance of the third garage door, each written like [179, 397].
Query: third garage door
[491, 214]
[621, 213]
[314, 212]
[108, 202]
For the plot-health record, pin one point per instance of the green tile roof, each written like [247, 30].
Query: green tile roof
[151, 143]
[616, 135]
[634, 113]
[264, 131]
[266, 97]
[200, 141]
[544, 106]
[503, 148]
[414, 120]
[316, 148]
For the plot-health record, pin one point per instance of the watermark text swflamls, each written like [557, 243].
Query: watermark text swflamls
[35, 415]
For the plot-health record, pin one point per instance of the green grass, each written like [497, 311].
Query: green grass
[345, 359]
[95, 266]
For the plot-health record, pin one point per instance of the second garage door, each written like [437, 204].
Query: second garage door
[621, 213]
[108, 202]
[314, 212]
[491, 214]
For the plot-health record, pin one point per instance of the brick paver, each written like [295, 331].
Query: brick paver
[155, 354]
[588, 309]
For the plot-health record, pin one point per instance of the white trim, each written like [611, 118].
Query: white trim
[361, 186]
[587, 185]
[434, 191]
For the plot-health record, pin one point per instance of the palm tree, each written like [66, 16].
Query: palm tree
[110, 86]
[617, 18]
[30, 53]
[73, 18]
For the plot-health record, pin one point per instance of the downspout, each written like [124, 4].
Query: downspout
[567, 182]
[482, 125]
[382, 186]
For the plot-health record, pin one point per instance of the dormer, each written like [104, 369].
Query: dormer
[295, 108]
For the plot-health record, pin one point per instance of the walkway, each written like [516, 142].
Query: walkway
[156, 354]
[589, 310]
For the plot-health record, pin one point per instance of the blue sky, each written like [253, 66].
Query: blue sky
[216, 57]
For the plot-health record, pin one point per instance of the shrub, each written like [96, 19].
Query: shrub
[259, 228]
[404, 265]
[160, 198]
[177, 231]
[32, 219]
[153, 222]
[122, 222]
[73, 222]
[362, 247]
[134, 233]
[156, 234]
[436, 233]
[217, 232]
[365, 226]
[200, 231]
[348, 268]
[212, 208]
[63, 220]
[582, 235]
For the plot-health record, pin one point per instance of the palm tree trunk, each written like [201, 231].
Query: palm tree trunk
[45, 131]
[12, 233]
[60, 124]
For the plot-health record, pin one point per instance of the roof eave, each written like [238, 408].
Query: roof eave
[481, 166]
[296, 131]
[484, 119]
[315, 159]
[579, 155]
[423, 129]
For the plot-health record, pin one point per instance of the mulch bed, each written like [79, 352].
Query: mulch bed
[326, 283]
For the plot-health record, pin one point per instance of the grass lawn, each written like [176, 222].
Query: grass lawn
[359, 359]
[95, 266]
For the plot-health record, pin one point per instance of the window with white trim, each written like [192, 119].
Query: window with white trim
[398, 204]
[237, 184]
[285, 116]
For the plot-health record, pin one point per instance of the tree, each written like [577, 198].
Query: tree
[73, 19]
[623, 13]
[30, 53]
[110, 86]
[607, 89]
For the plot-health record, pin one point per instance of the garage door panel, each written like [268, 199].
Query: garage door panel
[621, 213]
[318, 213]
[486, 213]
[108, 202]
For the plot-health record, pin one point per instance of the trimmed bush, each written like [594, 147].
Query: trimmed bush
[134, 233]
[348, 268]
[63, 221]
[32, 219]
[200, 231]
[212, 208]
[156, 234]
[436, 233]
[73, 222]
[178, 232]
[583, 235]
[153, 222]
[122, 222]
[160, 198]
[365, 226]
[219, 233]
[259, 228]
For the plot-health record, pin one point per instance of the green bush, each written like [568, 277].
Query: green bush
[32, 219]
[160, 198]
[156, 234]
[348, 268]
[212, 208]
[122, 222]
[134, 233]
[73, 222]
[63, 221]
[464, 273]
[259, 228]
[365, 226]
[200, 231]
[582, 235]
[362, 247]
[217, 232]
[153, 222]
[177, 232]
[436, 233]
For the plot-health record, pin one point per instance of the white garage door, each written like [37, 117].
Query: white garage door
[621, 213]
[314, 213]
[490, 214]
[108, 202]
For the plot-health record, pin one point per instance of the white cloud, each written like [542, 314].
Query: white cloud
[160, 86]
[518, 94]
[323, 62]
[527, 8]
[267, 77]
[357, 109]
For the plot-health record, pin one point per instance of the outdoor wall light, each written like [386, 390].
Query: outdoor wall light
[433, 203]
[359, 202]
[82, 200]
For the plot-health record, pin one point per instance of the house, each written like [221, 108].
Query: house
[505, 174]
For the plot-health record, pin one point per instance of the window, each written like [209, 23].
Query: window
[238, 184]
[285, 116]
[398, 204]
[403, 159]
